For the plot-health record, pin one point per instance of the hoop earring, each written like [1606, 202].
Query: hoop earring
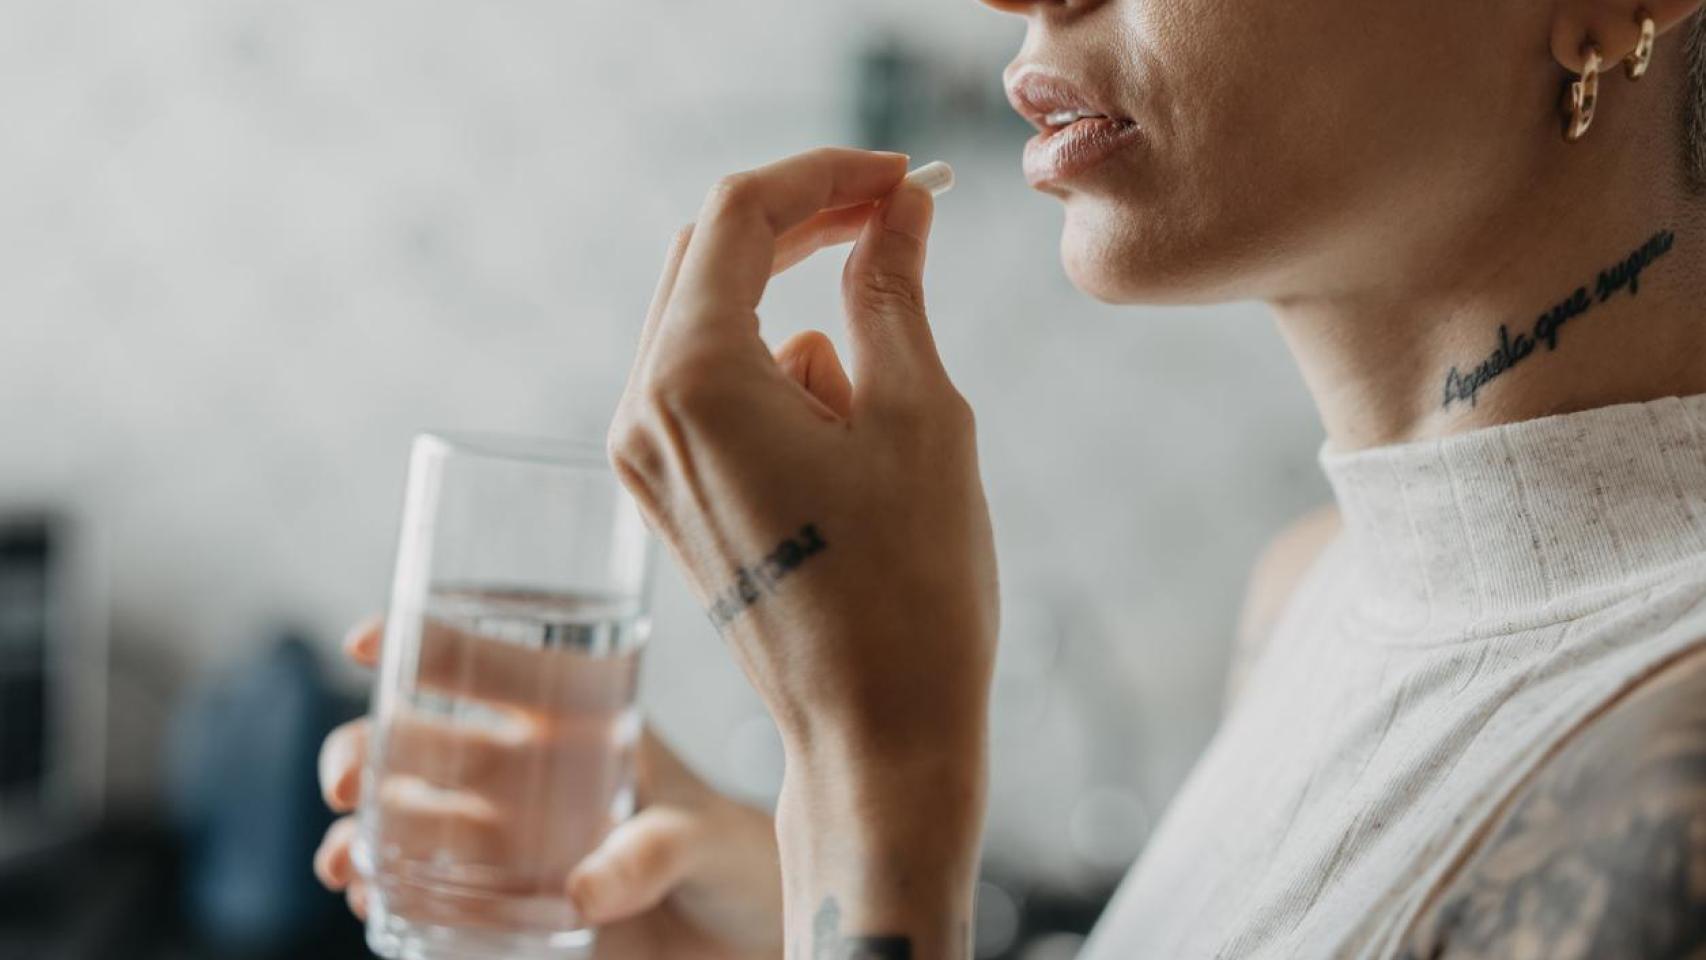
[1636, 63]
[1583, 96]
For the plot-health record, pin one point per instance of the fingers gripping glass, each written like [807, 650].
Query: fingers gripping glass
[504, 724]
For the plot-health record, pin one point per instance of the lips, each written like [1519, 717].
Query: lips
[1076, 131]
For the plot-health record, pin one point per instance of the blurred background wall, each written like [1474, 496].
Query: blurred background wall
[247, 249]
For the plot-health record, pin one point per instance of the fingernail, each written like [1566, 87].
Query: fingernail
[362, 642]
[345, 786]
[337, 868]
[908, 210]
[336, 763]
[323, 867]
[892, 153]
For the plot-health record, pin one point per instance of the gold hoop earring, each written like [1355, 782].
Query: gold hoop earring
[1583, 95]
[1636, 63]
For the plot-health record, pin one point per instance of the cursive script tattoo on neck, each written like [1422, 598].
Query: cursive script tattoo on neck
[829, 944]
[1512, 349]
[753, 581]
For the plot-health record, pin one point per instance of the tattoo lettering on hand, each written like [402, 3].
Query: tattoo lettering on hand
[752, 582]
[829, 944]
[1513, 349]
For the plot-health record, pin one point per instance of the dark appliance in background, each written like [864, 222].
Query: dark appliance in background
[26, 554]
[56, 901]
[81, 881]
[52, 685]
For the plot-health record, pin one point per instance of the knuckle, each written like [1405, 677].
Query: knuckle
[630, 446]
[640, 863]
[682, 389]
[906, 418]
[732, 192]
[928, 424]
[812, 340]
[652, 858]
[674, 394]
[622, 438]
[889, 291]
[807, 343]
[679, 239]
[961, 415]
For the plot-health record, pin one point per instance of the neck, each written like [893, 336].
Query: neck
[1585, 288]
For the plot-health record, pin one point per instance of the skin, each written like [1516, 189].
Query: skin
[1394, 186]
[1603, 853]
[692, 876]
[835, 528]
[875, 654]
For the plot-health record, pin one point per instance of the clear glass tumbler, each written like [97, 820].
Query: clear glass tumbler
[504, 725]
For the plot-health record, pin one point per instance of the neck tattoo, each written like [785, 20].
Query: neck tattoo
[1512, 349]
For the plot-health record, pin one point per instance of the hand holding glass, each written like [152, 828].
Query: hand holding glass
[503, 719]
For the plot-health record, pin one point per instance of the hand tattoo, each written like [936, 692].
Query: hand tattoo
[752, 582]
[829, 944]
[1512, 350]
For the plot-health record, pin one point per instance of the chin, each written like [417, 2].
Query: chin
[1131, 257]
[1163, 253]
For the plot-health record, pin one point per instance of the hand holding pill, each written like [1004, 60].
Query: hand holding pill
[833, 526]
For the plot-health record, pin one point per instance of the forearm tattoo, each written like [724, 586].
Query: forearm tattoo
[1603, 855]
[1512, 349]
[753, 581]
[828, 943]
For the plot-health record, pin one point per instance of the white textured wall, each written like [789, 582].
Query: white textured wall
[248, 248]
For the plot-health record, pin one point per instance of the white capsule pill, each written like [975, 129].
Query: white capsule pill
[935, 176]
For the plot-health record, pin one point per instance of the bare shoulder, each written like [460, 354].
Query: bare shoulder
[1273, 579]
[1281, 566]
[1603, 852]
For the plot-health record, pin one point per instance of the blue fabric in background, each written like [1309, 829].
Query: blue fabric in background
[242, 785]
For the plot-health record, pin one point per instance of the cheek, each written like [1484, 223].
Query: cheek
[1190, 233]
[1232, 168]
[1281, 141]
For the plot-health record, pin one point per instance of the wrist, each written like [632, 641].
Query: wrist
[881, 777]
[890, 840]
[907, 768]
[863, 784]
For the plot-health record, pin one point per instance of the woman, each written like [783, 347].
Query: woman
[1469, 700]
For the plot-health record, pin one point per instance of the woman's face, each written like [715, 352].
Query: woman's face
[1273, 148]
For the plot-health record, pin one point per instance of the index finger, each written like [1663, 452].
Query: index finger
[729, 261]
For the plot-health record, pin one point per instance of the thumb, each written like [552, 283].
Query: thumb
[883, 290]
[641, 861]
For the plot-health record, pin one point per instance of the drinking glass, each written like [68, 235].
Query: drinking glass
[503, 726]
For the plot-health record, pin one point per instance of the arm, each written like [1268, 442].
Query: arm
[1603, 852]
[880, 867]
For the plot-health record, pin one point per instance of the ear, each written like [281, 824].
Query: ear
[1612, 25]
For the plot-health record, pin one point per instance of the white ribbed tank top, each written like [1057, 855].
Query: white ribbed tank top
[1486, 593]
